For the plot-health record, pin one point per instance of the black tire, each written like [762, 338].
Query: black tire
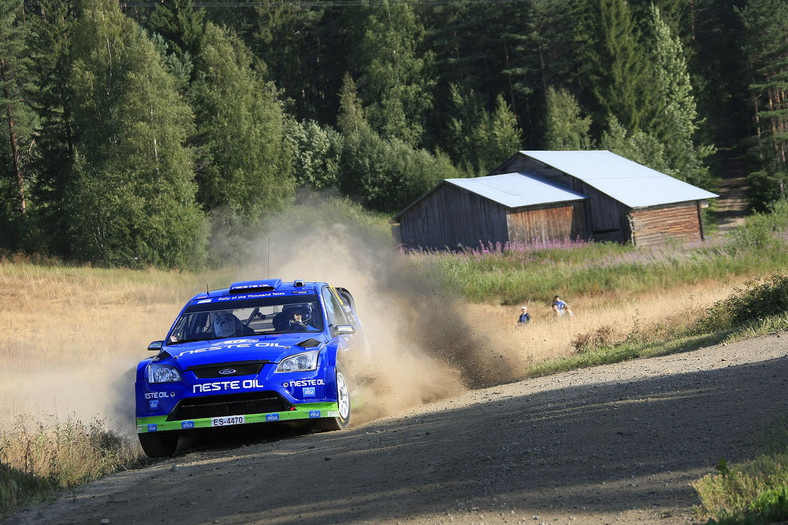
[343, 401]
[159, 444]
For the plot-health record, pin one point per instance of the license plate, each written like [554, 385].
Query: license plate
[227, 420]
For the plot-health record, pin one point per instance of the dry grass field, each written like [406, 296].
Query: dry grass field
[71, 337]
[546, 337]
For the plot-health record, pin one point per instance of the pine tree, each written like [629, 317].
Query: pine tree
[637, 146]
[396, 80]
[497, 137]
[382, 174]
[676, 123]
[718, 67]
[51, 23]
[131, 197]
[351, 118]
[304, 49]
[766, 45]
[179, 23]
[542, 56]
[479, 140]
[565, 128]
[615, 63]
[17, 117]
[466, 115]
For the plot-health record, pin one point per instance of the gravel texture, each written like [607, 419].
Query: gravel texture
[618, 443]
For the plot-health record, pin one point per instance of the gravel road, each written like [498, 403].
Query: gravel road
[611, 444]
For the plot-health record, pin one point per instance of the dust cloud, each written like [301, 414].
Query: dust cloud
[425, 342]
[422, 345]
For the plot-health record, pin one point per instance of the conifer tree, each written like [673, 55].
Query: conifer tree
[304, 47]
[383, 174]
[766, 45]
[179, 23]
[51, 23]
[396, 81]
[676, 122]
[351, 118]
[17, 117]
[497, 137]
[615, 63]
[467, 113]
[565, 128]
[637, 146]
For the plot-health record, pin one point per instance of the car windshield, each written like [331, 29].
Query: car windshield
[219, 319]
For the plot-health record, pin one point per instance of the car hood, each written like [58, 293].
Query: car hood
[264, 348]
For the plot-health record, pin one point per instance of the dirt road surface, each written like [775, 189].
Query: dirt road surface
[612, 444]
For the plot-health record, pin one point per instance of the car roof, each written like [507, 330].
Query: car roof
[248, 289]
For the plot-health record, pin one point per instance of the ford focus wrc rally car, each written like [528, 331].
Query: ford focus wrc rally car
[256, 352]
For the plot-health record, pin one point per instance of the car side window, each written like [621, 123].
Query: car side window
[336, 315]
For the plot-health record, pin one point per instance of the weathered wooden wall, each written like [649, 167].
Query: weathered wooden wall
[450, 217]
[563, 221]
[656, 226]
[605, 218]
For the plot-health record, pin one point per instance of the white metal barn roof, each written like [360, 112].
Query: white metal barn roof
[514, 190]
[628, 182]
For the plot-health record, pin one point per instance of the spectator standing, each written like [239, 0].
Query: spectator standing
[560, 308]
[525, 317]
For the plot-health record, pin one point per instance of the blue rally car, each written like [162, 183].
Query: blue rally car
[256, 352]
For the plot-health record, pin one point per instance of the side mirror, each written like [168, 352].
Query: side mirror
[344, 329]
[155, 346]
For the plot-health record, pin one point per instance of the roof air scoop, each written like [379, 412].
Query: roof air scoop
[255, 286]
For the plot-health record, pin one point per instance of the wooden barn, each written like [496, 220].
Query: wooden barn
[555, 195]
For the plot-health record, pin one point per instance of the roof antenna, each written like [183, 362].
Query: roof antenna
[207, 291]
[269, 258]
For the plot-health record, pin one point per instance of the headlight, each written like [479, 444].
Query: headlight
[163, 374]
[299, 362]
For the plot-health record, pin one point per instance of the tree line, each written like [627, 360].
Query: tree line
[162, 133]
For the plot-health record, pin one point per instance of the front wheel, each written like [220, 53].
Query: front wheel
[343, 405]
[159, 444]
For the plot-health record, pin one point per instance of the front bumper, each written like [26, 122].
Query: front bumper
[298, 412]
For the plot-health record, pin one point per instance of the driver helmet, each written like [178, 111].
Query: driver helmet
[224, 325]
[300, 309]
[306, 311]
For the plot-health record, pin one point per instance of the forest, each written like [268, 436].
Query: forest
[161, 133]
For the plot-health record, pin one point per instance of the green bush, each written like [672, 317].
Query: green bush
[762, 299]
[755, 492]
[35, 463]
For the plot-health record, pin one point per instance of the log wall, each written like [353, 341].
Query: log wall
[656, 226]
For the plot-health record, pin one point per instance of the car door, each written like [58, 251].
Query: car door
[344, 326]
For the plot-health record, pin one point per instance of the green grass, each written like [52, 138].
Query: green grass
[682, 340]
[754, 492]
[624, 352]
[37, 463]
[511, 274]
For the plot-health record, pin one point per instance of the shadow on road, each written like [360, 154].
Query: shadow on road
[599, 448]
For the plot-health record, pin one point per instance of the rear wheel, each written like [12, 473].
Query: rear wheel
[343, 404]
[159, 444]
